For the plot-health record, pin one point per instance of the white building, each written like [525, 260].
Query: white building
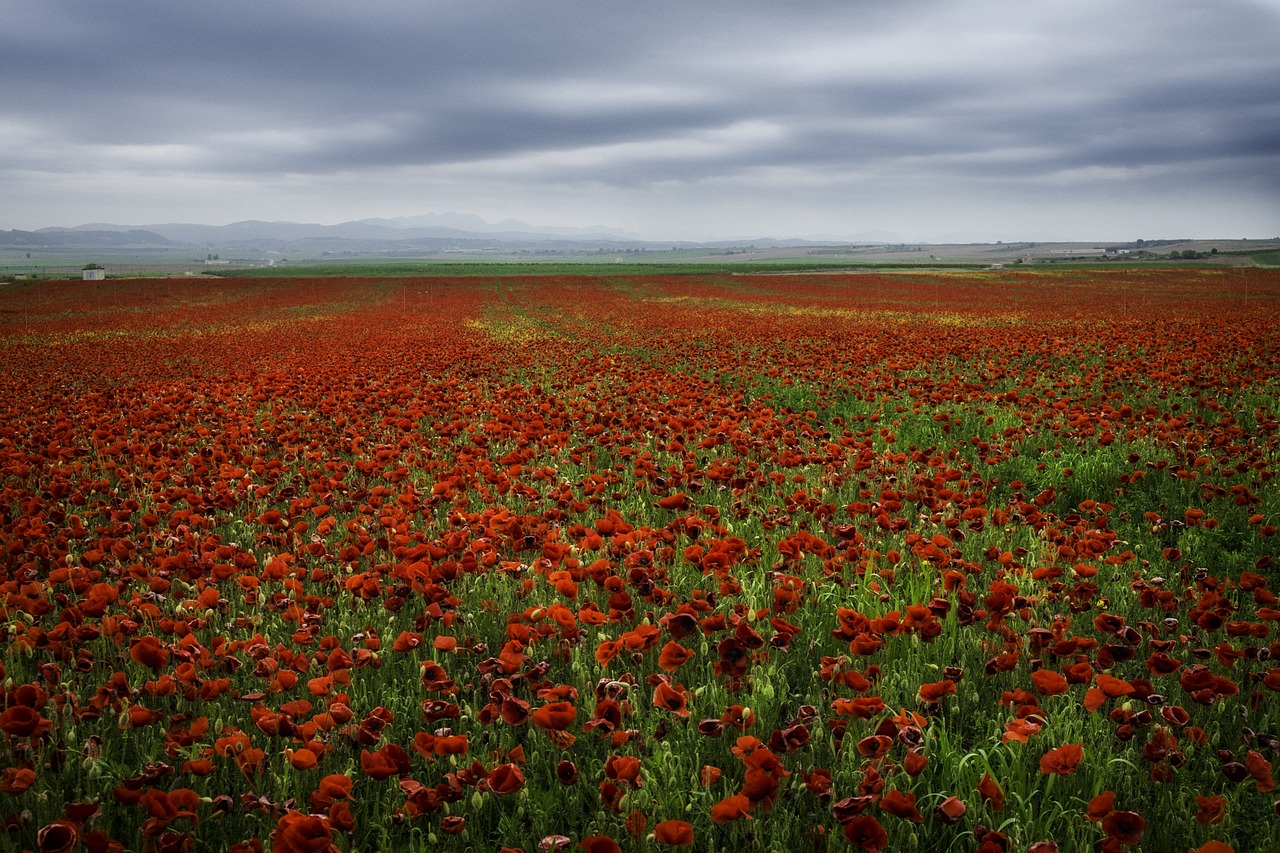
[94, 274]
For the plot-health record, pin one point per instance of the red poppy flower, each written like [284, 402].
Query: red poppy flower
[673, 699]
[611, 795]
[673, 656]
[1112, 686]
[1126, 828]
[950, 811]
[760, 786]
[874, 746]
[860, 707]
[389, 761]
[556, 716]
[624, 768]
[300, 833]
[738, 716]
[1048, 682]
[505, 779]
[1211, 809]
[566, 772]
[731, 808]
[599, 844]
[140, 716]
[1260, 769]
[198, 767]
[607, 651]
[636, 823]
[710, 728]
[901, 805]
[866, 833]
[21, 721]
[1019, 730]
[1094, 698]
[332, 788]
[709, 775]
[515, 712]
[933, 692]
[991, 792]
[676, 833]
[1062, 760]
[850, 807]
[302, 759]
[451, 745]
[819, 782]
[60, 836]
[16, 780]
[790, 739]
[149, 652]
[1101, 806]
[406, 641]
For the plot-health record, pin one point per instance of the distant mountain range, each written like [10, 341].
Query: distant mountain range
[406, 234]
[64, 238]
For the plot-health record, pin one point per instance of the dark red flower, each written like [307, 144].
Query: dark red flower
[505, 779]
[300, 833]
[731, 808]
[901, 805]
[389, 761]
[566, 772]
[599, 844]
[991, 792]
[950, 811]
[556, 716]
[1125, 827]
[676, 833]
[1062, 760]
[59, 836]
[866, 833]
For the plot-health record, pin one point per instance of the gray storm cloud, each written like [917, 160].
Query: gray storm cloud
[665, 118]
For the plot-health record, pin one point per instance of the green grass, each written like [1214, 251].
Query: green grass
[563, 268]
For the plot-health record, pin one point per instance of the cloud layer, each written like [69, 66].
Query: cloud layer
[1079, 120]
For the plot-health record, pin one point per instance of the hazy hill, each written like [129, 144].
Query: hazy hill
[74, 238]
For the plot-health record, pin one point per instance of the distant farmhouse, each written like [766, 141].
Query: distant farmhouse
[93, 272]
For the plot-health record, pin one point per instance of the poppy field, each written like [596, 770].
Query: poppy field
[954, 561]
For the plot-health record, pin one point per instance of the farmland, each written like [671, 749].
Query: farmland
[891, 560]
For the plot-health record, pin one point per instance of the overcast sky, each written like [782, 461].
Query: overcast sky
[1051, 119]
